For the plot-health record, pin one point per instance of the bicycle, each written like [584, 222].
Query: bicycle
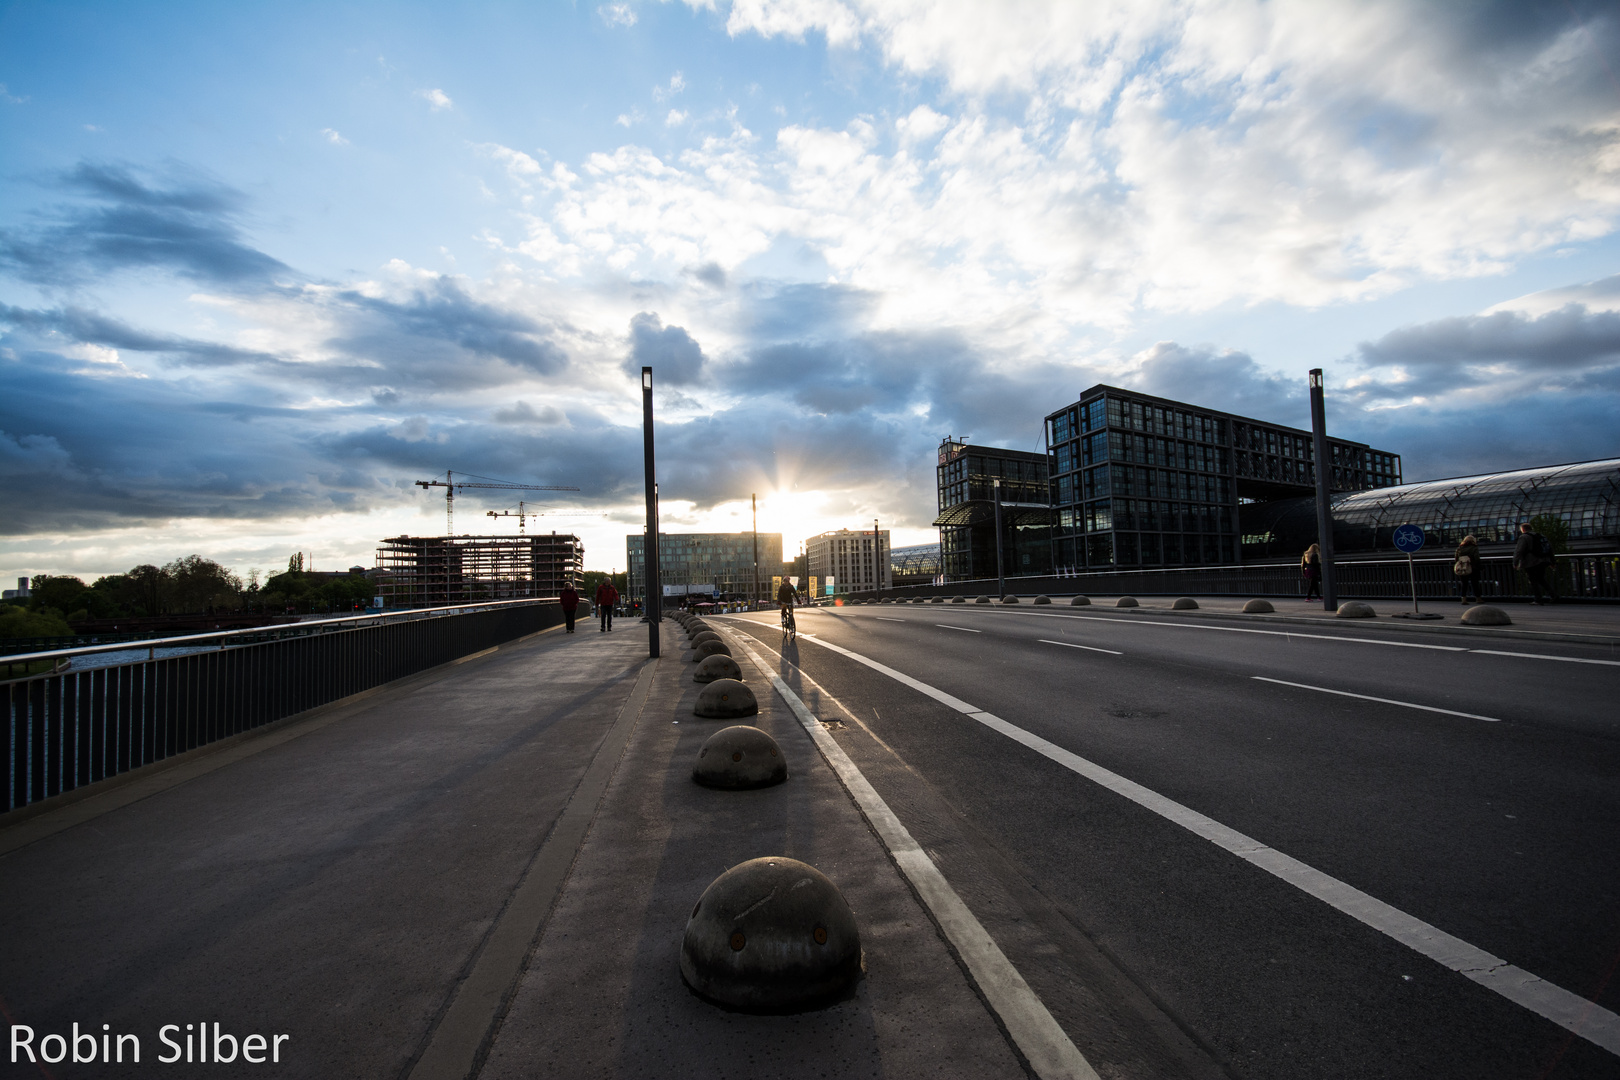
[789, 628]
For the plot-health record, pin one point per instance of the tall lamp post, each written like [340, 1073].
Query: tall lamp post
[1001, 570]
[654, 605]
[753, 502]
[1324, 486]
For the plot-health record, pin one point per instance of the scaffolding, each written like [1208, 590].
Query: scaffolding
[425, 571]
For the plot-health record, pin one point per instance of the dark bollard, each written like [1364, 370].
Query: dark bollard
[739, 758]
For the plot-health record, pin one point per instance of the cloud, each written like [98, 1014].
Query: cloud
[1600, 295]
[8, 98]
[437, 99]
[189, 228]
[676, 116]
[521, 412]
[334, 137]
[1220, 379]
[677, 83]
[676, 359]
[617, 14]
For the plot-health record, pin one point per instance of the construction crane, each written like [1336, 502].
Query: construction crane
[451, 485]
[521, 514]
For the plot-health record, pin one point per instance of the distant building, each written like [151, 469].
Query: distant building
[423, 571]
[849, 561]
[968, 478]
[21, 592]
[1584, 495]
[1138, 480]
[705, 564]
[915, 565]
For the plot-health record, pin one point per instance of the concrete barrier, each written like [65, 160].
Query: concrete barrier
[705, 649]
[1486, 615]
[726, 699]
[739, 758]
[1258, 607]
[1355, 609]
[1080, 601]
[1126, 601]
[718, 666]
[1185, 603]
[1043, 599]
[981, 600]
[1009, 599]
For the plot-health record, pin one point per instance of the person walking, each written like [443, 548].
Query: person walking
[1310, 565]
[1465, 566]
[1533, 553]
[606, 597]
[570, 602]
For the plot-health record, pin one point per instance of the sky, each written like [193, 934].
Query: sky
[264, 266]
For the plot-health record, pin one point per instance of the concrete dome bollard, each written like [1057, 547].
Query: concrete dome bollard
[705, 649]
[958, 599]
[1043, 599]
[1080, 601]
[937, 600]
[981, 600]
[705, 635]
[771, 935]
[725, 699]
[717, 666]
[1486, 615]
[738, 758]
[1355, 609]
[1009, 599]
[1185, 603]
[1126, 601]
[1258, 607]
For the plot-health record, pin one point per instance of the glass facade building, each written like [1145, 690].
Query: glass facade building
[707, 564]
[1143, 481]
[968, 476]
[1584, 495]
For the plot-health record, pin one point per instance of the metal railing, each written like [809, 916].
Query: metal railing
[1593, 576]
[68, 728]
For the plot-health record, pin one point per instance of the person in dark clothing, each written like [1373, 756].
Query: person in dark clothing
[1533, 554]
[1310, 564]
[1465, 566]
[570, 601]
[606, 597]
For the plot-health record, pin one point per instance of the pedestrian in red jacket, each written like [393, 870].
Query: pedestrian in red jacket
[570, 601]
[606, 597]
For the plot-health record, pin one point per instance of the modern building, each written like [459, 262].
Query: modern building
[705, 564]
[969, 477]
[1138, 480]
[845, 562]
[1585, 496]
[422, 571]
[916, 565]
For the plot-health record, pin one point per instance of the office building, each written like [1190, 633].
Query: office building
[705, 565]
[422, 571]
[1140, 481]
[846, 562]
[969, 477]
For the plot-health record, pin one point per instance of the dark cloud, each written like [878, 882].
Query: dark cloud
[522, 412]
[1450, 354]
[676, 359]
[86, 327]
[188, 229]
[408, 335]
[1229, 381]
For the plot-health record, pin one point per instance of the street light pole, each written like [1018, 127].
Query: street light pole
[1324, 487]
[753, 502]
[654, 612]
[1001, 570]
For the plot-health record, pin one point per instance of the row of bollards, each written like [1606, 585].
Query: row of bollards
[770, 935]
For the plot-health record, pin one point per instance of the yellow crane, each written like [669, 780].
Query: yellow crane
[451, 485]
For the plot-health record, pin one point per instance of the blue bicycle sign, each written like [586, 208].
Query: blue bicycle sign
[1408, 539]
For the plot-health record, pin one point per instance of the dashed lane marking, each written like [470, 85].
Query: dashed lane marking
[1072, 645]
[1570, 1011]
[884, 619]
[964, 629]
[1381, 700]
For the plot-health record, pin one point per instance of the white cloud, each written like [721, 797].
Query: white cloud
[677, 83]
[519, 166]
[9, 98]
[438, 99]
[676, 116]
[1601, 295]
[617, 14]
[334, 137]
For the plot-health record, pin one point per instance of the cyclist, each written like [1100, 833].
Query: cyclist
[785, 597]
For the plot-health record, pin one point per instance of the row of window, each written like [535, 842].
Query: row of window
[1136, 481]
[1138, 550]
[1146, 515]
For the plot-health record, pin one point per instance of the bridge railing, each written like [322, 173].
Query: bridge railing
[101, 710]
[1594, 576]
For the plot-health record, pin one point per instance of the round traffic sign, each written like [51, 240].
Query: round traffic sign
[1408, 539]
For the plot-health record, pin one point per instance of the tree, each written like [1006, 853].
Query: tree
[57, 592]
[199, 584]
[16, 622]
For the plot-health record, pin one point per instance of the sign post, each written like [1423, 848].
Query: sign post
[1409, 539]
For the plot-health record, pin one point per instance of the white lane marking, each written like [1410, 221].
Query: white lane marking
[1129, 621]
[1381, 700]
[884, 618]
[964, 629]
[1072, 645]
[1039, 1037]
[1570, 1011]
[1544, 656]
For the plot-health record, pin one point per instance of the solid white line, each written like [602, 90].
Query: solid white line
[1544, 656]
[1072, 645]
[1570, 1011]
[881, 618]
[1381, 700]
[1039, 1037]
[964, 629]
[1130, 621]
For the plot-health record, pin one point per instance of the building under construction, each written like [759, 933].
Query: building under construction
[422, 571]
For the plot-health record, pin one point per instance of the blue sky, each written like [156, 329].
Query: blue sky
[263, 266]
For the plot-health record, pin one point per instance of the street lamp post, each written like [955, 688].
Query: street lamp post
[654, 607]
[753, 502]
[1324, 489]
[1001, 571]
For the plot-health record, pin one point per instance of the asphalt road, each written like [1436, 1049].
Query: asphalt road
[1495, 819]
